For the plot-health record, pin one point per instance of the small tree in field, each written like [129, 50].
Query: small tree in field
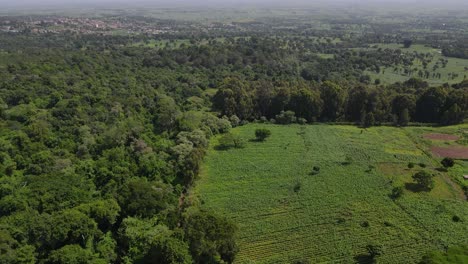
[231, 141]
[424, 179]
[447, 162]
[374, 251]
[396, 192]
[262, 133]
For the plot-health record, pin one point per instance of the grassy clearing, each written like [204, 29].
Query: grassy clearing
[285, 214]
[454, 65]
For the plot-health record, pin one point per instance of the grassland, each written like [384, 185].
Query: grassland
[454, 65]
[285, 214]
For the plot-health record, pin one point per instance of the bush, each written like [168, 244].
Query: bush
[235, 121]
[286, 117]
[397, 192]
[315, 170]
[410, 165]
[230, 140]
[262, 133]
[374, 250]
[422, 165]
[301, 121]
[424, 179]
[447, 162]
[456, 218]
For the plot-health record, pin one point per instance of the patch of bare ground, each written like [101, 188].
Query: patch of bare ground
[437, 136]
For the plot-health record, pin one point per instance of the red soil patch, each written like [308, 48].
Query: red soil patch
[451, 152]
[436, 136]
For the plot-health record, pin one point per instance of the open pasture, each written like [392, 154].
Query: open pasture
[453, 72]
[286, 214]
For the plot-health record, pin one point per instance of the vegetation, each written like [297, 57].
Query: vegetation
[335, 214]
[451, 256]
[106, 120]
[424, 180]
[262, 133]
[447, 162]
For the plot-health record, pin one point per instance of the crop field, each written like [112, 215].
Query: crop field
[286, 214]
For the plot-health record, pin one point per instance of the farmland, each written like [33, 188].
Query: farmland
[286, 214]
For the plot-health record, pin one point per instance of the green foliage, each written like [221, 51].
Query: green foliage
[254, 187]
[262, 134]
[447, 162]
[139, 197]
[424, 179]
[285, 117]
[98, 130]
[169, 250]
[212, 238]
[453, 255]
[13, 252]
[138, 236]
[230, 140]
[73, 254]
[397, 192]
[106, 248]
[374, 250]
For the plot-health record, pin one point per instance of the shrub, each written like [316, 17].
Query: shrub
[410, 165]
[396, 192]
[447, 162]
[230, 140]
[456, 218]
[262, 133]
[365, 224]
[374, 250]
[424, 179]
[285, 117]
[301, 121]
[422, 165]
[235, 121]
[297, 187]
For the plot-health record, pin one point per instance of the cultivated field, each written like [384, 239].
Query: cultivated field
[286, 214]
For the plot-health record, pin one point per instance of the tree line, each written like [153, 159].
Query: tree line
[399, 104]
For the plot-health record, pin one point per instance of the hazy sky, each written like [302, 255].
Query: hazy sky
[214, 3]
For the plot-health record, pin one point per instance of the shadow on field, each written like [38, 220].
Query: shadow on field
[222, 148]
[411, 186]
[364, 259]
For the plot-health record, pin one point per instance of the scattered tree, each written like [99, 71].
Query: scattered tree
[230, 140]
[447, 162]
[397, 192]
[262, 133]
[424, 179]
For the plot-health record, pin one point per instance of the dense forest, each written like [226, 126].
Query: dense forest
[101, 137]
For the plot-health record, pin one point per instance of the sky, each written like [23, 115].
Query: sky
[216, 3]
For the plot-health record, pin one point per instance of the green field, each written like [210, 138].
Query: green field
[333, 215]
[454, 65]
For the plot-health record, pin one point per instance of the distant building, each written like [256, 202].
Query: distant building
[465, 177]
